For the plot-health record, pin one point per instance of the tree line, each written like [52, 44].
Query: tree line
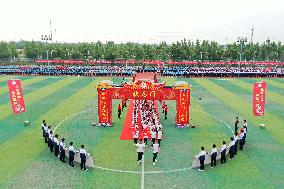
[184, 50]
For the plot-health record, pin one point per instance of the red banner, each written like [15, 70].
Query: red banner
[104, 106]
[183, 107]
[259, 90]
[16, 96]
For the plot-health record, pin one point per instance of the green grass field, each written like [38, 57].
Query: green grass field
[25, 161]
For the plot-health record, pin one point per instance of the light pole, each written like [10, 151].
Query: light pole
[46, 38]
[242, 41]
[201, 53]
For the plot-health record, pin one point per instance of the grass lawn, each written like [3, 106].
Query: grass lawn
[25, 161]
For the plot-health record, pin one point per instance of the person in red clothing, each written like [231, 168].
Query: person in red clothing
[119, 111]
[166, 111]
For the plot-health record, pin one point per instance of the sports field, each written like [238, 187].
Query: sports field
[25, 161]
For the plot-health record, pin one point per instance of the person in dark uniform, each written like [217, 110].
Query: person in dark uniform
[213, 155]
[50, 141]
[236, 139]
[236, 125]
[223, 152]
[83, 156]
[119, 111]
[43, 127]
[166, 112]
[72, 153]
[201, 157]
[56, 145]
[62, 150]
[241, 139]
[232, 148]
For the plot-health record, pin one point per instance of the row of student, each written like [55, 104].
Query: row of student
[239, 138]
[58, 147]
[150, 127]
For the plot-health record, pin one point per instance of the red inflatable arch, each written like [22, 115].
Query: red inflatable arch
[143, 90]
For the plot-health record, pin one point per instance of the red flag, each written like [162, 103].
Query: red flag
[259, 90]
[16, 96]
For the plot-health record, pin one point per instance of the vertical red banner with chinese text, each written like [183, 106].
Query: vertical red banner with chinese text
[104, 106]
[182, 107]
[259, 91]
[16, 96]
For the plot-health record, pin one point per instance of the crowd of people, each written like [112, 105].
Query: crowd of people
[171, 71]
[58, 147]
[146, 124]
[238, 139]
[223, 72]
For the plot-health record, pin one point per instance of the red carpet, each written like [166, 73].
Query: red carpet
[126, 133]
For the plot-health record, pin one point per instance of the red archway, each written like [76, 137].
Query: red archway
[144, 90]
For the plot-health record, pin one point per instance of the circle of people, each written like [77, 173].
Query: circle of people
[240, 137]
[59, 147]
[145, 124]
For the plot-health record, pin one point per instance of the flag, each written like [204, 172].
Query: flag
[16, 96]
[259, 91]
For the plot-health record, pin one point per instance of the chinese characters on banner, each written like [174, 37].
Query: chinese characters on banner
[104, 106]
[16, 96]
[183, 107]
[259, 90]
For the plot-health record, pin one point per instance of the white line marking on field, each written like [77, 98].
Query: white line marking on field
[143, 173]
[227, 125]
[69, 118]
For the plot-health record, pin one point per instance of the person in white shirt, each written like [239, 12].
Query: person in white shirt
[236, 140]
[201, 157]
[62, 150]
[160, 135]
[43, 127]
[50, 141]
[232, 148]
[241, 139]
[83, 156]
[135, 136]
[245, 128]
[153, 135]
[223, 152]
[140, 150]
[213, 155]
[56, 145]
[156, 150]
[72, 153]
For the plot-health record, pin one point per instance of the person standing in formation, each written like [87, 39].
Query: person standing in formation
[62, 150]
[236, 140]
[236, 125]
[43, 127]
[213, 155]
[135, 135]
[50, 141]
[153, 135]
[245, 128]
[119, 111]
[156, 150]
[232, 148]
[241, 139]
[72, 153]
[223, 152]
[83, 156]
[145, 135]
[160, 135]
[56, 145]
[140, 151]
[201, 157]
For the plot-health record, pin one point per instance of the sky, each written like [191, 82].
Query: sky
[142, 21]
